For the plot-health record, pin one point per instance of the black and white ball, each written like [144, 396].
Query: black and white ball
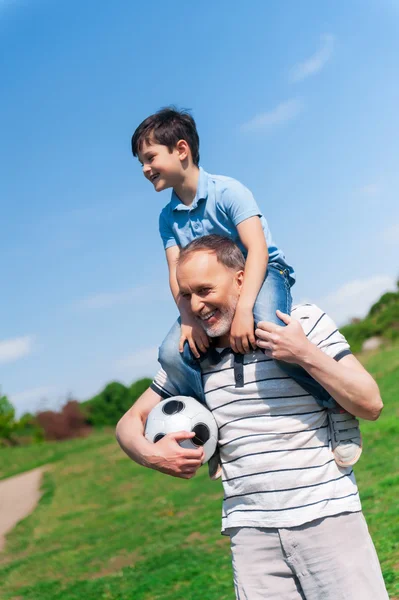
[183, 413]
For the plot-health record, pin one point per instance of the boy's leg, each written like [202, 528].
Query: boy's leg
[183, 370]
[276, 294]
[345, 432]
[184, 373]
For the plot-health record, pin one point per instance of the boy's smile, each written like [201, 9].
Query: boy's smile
[161, 166]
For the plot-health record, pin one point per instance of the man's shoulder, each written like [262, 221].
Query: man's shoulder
[321, 329]
[306, 311]
[312, 318]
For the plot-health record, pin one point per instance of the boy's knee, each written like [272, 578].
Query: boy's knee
[168, 352]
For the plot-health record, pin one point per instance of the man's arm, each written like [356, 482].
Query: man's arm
[166, 455]
[351, 386]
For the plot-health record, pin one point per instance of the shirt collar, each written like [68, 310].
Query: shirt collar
[201, 194]
[213, 356]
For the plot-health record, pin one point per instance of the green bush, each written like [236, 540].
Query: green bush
[382, 320]
[8, 425]
[109, 405]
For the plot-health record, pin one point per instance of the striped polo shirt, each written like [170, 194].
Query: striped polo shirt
[275, 447]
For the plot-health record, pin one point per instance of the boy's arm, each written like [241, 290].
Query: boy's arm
[166, 455]
[241, 207]
[253, 238]
[191, 330]
[172, 255]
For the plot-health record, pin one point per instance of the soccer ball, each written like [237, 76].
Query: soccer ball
[183, 413]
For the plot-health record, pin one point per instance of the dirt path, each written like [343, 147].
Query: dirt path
[19, 495]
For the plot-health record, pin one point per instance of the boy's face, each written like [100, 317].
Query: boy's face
[160, 166]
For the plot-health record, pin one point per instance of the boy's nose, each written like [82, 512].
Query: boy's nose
[146, 170]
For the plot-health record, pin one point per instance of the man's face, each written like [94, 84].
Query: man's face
[160, 166]
[211, 291]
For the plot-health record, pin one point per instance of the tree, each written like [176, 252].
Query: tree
[115, 399]
[8, 424]
[64, 425]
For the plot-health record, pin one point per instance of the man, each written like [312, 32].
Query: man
[293, 515]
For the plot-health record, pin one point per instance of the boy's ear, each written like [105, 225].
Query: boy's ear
[183, 149]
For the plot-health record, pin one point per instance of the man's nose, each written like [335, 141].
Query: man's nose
[146, 170]
[196, 304]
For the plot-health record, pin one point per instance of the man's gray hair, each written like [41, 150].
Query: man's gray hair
[227, 252]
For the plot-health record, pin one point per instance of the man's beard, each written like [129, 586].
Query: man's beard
[223, 324]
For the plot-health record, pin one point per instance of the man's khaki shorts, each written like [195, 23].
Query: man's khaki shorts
[329, 559]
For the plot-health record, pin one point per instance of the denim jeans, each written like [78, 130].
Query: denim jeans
[184, 370]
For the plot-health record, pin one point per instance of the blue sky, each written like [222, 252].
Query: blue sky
[297, 100]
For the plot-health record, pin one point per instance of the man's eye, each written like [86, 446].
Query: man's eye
[204, 291]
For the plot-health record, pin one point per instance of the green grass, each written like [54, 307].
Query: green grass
[106, 529]
[18, 459]
[377, 472]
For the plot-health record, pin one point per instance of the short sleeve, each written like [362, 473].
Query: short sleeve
[239, 203]
[166, 231]
[162, 385]
[321, 330]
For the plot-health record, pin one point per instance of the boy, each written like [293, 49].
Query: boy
[167, 145]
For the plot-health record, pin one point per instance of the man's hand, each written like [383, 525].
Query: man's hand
[170, 458]
[242, 337]
[192, 331]
[288, 344]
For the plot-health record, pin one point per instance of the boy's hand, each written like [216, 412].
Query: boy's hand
[242, 337]
[289, 343]
[192, 331]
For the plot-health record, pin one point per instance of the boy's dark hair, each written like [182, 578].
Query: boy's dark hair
[227, 252]
[167, 127]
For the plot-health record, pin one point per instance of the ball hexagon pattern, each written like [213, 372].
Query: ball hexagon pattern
[183, 413]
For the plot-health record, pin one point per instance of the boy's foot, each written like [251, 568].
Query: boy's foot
[345, 438]
[214, 466]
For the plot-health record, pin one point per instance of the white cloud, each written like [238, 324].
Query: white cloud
[315, 63]
[109, 299]
[139, 364]
[34, 399]
[15, 348]
[371, 189]
[284, 112]
[355, 298]
[391, 234]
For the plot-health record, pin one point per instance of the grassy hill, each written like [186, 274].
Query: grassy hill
[107, 529]
[382, 321]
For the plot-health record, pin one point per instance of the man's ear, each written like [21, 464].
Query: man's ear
[239, 278]
[183, 149]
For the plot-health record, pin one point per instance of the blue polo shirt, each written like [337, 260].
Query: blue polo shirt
[220, 204]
